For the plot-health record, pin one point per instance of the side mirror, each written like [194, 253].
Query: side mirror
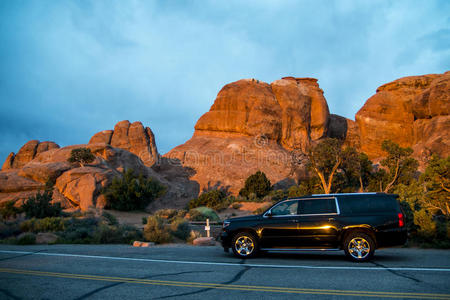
[268, 214]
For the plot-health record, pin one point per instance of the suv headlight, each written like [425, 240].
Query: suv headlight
[226, 224]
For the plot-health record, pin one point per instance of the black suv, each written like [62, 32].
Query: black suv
[356, 223]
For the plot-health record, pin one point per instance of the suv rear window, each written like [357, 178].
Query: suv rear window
[317, 206]
[368, 204]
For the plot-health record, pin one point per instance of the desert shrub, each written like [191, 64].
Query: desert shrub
[109, 218]
[306, 187]
[168, 213]
[81, 155]
[9, 229]
[425, 223]
[213, 199]
[40, 206]
[202, 213]
[79, 230]
[107, 234]
[26, 239]
[132, 192]
[155, 231]
[8, 210]
[51, 224]
[257, 184]
[236, 205]
[180, 228]
[193, 235]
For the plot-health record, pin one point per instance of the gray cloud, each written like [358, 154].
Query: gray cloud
[70, 69]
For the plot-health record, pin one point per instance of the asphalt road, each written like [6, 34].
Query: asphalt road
[175, 271]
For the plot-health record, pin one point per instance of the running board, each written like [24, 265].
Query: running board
[298, 249]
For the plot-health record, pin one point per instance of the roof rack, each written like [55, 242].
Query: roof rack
[371, 193]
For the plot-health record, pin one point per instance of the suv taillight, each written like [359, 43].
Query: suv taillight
[401, 222]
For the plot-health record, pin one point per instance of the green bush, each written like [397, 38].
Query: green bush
[213, 199]
[180, 228]
[257, 184]
[26, 239]
[9, 229]
[40, 206]
[52, 224]
[202, 213]
[109, 218]
[81, 155]
[155, 231]
[8, 210]
[131, 192]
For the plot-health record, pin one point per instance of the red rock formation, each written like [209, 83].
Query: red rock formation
[405, 109]
[131, 137]
[27, 153]
[254, 126]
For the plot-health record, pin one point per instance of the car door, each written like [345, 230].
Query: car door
[279, 226]
[318, 225]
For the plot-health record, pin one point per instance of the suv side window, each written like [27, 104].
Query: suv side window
[317, 206]
[285, 208]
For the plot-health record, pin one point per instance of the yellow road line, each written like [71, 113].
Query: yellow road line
[230, 287]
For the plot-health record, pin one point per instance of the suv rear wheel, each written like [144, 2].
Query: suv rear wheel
[359, 246]
[245, 245]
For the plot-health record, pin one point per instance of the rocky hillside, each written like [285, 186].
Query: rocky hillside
[251, 126]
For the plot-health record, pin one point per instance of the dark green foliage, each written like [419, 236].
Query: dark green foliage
[9, 229]
[180, 228]
[26, 239]
[155, 231]
[356, 169]
[213, 199]
[401, 167]
[110, 219]
[306, 187]
[8, 210]
[170, 214]
[144, 220]
[131, 192]
[325, 159]
[257, 184]
[40, 206]
[81, 155]
[202, 213]
[436, 181]
[50, 224]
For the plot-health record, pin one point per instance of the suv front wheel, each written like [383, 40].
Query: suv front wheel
[359, 246]
[245, 245]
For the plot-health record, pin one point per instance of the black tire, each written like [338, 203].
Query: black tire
[245, 245]
[359, 246]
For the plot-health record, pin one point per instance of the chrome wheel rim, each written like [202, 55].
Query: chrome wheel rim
[244, 245]
[359, 248]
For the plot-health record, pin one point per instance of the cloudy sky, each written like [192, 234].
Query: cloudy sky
[69, 69]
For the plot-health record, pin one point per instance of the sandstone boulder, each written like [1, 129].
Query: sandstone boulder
[134, 138]
[246, 107]
[389, 114]
[344, 129]
[102, 137]
[27, 153]
[8, 162]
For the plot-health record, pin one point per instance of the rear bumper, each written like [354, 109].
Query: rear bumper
[392, 237]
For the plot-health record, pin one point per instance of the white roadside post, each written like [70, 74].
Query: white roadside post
[207, 228]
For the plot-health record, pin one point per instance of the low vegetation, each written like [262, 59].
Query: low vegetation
[132, 192]
[82, 156]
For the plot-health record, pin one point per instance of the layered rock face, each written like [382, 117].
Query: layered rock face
[80, 187]
[412, 111]
[255, 126]
[133, 137]
[27, 153]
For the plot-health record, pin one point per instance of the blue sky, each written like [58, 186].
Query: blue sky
[69, 69]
